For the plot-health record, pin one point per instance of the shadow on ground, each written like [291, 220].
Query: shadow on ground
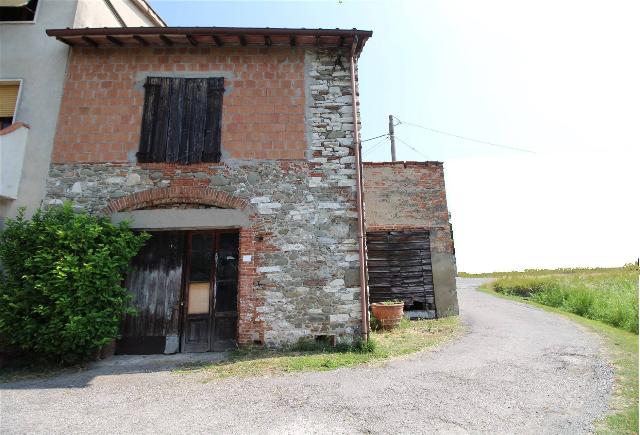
[116, 365]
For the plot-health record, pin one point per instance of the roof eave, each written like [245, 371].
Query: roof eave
[217, 36]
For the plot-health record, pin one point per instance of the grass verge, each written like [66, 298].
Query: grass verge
[409, 337]
[608, 296]
[622, 349]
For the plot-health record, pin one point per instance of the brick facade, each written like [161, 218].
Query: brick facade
[287, 162]
[408, 195]
[101, 109]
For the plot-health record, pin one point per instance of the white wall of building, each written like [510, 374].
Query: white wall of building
[96, 13]
[27, 53]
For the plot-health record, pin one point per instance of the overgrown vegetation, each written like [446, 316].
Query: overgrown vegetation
[544, 272]
[622, 349]
[409, 337]
[610, 296]
[61, 297]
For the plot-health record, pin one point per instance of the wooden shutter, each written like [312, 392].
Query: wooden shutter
[8, 99]
[213, 120]
[175, 121]
[193, 137]
[181, 120]
[152, 89]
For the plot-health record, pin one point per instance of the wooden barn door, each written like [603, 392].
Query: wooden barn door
[211, 289]
[184, 286]
[155, 282]
[399, 266]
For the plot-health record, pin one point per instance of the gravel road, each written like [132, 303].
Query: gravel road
[519, 370]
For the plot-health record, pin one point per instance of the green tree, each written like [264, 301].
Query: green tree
[61, 294]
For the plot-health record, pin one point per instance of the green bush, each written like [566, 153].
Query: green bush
[61, 297]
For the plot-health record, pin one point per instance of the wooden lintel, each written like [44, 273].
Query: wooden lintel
[115, 41]
[165, 39]
[89, 41]
[141, 40]
[193, 41]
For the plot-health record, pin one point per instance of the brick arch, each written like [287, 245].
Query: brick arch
[175, 195]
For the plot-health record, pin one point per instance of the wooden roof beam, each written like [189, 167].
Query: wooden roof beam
[90, 41]
[141, 40]
[193, 41]
[165, 39]
[66, 41]
[114, 41]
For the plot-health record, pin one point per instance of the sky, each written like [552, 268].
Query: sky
[559, 79]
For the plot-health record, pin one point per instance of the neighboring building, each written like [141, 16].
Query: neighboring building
[237, 149]
[410, 249]
[32, 72]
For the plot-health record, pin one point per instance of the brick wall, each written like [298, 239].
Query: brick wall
[288, 154]
[101, 109]
[404, 195]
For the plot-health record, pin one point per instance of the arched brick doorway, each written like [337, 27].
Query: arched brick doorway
[193, 282]
[176, 195]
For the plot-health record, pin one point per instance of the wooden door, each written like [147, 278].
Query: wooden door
[210, 291]
[225, 322]
[198, 303]
[154, 282]
[399, 267]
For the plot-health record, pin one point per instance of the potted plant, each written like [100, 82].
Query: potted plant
[388, 313]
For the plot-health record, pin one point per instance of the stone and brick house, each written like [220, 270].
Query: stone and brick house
[238, 150]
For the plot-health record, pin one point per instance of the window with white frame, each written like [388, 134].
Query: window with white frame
[16, 11]
[9, 93]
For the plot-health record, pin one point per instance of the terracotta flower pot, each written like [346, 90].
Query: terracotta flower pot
[389, 315]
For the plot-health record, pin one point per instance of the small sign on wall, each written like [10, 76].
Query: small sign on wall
[246, 258]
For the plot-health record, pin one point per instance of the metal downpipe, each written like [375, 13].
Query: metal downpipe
[361, 241]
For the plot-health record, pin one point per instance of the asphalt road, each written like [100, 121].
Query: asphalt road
[519, 370]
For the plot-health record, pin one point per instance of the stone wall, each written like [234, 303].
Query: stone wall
[303, 277]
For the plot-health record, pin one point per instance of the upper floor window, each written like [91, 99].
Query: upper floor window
[18, 10]
[181, 120]
[9, 90]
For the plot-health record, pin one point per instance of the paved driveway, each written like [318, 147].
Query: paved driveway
[519, 370]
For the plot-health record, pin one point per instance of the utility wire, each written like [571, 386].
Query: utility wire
[414, 149]
[375, 146]
[446, 133]
[376, 137]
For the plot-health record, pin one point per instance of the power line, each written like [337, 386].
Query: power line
[421, 153]
[376, 137]
[446, 133]
[375, 146]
